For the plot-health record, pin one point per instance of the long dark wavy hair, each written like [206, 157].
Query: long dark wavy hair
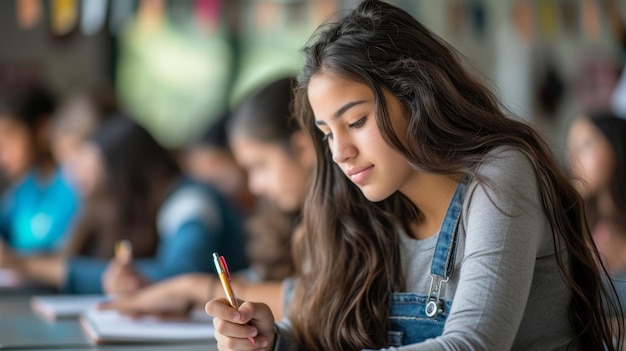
[453, 121]
[138, 173]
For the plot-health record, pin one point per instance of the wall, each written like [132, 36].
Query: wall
[66, 64]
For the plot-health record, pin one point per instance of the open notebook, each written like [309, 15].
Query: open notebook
[111, 327]
[64, 306]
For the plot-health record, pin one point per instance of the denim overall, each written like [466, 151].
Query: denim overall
[416, 317]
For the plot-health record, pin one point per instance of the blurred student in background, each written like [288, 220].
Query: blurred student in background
[210, 160]
[172, 222]
[39, 206]
[74, 123]
[597, 148]
[76, 119]
[279, 159]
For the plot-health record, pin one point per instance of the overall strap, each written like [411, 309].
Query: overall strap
[443, 258]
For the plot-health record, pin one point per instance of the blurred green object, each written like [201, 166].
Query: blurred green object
[173, 81]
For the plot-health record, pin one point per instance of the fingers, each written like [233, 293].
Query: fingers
[233, 336]
[225, 343]
[121, 279]
[260, 313]
[235, 329]
[220, 308]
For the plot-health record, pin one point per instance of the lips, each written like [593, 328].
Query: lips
[358, 174]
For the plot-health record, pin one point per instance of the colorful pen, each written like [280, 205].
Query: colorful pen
[224, 274]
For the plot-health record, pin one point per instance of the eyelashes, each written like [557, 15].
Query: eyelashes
[358, 124]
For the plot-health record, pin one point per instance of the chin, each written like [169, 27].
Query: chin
[374, 195]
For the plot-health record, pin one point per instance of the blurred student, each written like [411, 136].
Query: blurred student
[76, 119]
[172, 222]
[39, 206]
[210, 160]
[597, 147]
[279, 160]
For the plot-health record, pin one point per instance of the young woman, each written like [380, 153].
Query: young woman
[433, 220]
[172, 222]
[40, 206]
[279, 160]
[597, 147]
[210, 160]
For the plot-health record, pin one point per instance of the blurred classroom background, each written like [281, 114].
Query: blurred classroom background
[177, 67]
[177, 64]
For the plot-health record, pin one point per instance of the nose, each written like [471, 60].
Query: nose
[342, 149]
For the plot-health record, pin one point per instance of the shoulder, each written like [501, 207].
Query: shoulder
[507, 165]
[506, 179]
[189, 202]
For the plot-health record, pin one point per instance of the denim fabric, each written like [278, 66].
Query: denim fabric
[409, 323]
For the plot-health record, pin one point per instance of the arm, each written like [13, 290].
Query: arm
[186, 251]
[176, 295]
[49, 270]
[83, 275]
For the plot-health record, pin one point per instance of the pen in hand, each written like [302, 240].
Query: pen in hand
[123, 252]
[224, 275]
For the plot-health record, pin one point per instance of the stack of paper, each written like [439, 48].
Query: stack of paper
[112, 327]
[65, 306]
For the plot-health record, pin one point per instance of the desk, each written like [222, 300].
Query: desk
[21, 329]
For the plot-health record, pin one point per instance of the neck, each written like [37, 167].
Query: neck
[431, 194]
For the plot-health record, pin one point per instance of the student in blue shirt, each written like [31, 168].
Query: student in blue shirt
[172, 222]
[39, 205]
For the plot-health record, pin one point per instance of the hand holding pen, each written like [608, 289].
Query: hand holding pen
[245, 326]
[121, 277]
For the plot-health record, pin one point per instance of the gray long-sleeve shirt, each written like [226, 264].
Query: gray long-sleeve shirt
[506, 288]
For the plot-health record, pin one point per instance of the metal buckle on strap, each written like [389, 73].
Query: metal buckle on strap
[434, 305]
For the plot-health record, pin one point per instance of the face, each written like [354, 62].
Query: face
[590, 158]
[86, 169]
[345, 113]
[16, 148]
[216, 167]
[65, 148]
[273, 172]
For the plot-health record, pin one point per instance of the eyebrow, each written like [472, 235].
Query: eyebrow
[341, 110]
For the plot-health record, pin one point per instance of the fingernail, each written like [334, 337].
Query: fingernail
[236, 316]
[264, 343]
[254, 332]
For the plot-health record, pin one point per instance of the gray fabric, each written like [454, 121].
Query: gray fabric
[506, 287]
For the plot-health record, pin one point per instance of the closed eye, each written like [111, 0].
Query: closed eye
[328, 136]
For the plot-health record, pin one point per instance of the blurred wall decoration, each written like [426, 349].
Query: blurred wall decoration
[176, 64]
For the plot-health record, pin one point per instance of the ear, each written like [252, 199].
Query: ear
[303, 149]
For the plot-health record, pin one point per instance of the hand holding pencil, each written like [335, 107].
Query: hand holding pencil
[121, 277]
[239, 325]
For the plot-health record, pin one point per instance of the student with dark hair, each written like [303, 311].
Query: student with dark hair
[597, 149]
[209, 159]
[279, 160]
[39, 207]
[172, 222]
[434, 221]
